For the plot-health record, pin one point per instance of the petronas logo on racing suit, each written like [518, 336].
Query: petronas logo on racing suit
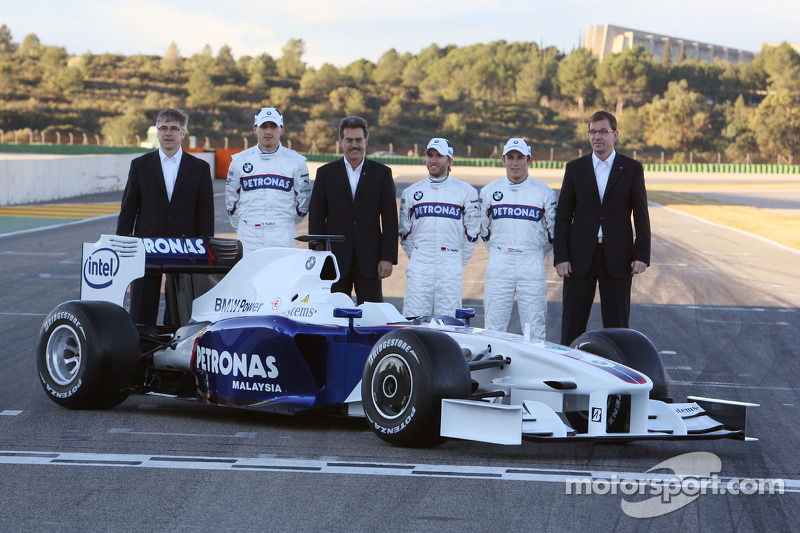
[521, 212]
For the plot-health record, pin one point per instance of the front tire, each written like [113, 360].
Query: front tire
[630, 348]
[407, 374]
[88, 354]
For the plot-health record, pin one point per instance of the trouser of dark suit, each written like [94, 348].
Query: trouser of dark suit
[145, 295]
[180, 290]
[578, 295]
[368, 288]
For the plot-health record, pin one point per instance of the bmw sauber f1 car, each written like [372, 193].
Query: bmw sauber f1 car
[270, 335]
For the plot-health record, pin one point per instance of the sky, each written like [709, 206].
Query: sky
[345, 31]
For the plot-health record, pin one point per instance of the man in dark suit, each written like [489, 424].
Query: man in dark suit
[355, 197]
[168, 194]
[594, 242]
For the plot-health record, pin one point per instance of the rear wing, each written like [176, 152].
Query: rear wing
[113, 262]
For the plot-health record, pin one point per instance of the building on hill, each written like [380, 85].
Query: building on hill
[608, 39]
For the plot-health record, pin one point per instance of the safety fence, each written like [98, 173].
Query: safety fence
[223, 158]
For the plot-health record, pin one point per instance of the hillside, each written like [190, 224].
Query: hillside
[477, 96]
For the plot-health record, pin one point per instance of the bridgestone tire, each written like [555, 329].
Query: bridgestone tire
[407, 374]
[630, 348]
[88, 354]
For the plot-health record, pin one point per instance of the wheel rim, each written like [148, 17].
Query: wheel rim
[392, 386]
[63, 355]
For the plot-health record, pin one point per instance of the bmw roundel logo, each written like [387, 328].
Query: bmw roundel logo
[311, 262]
[418, 195]
[247, 167]
[497, 196]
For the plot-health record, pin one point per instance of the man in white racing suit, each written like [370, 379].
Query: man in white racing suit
[517, 219]
[268, 189]
[439, 228]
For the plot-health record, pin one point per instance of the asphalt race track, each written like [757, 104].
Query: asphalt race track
[722, 306]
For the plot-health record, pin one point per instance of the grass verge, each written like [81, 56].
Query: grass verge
[776, 226]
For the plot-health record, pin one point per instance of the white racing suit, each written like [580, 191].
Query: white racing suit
[266, 195]
[517, 221]
[439, 228]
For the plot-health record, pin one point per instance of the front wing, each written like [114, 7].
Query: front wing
[698, 418]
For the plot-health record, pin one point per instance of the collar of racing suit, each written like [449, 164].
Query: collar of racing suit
[269, 155]
[437, 182]
[514, 184]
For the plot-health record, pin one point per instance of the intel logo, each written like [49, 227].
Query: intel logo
[100, 268]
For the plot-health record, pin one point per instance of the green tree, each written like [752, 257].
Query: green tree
[31, 47]
[536, 77]
[360, 71]
[7, 45]
[204, 60]
[389, 69]
[391, 113]
[349, 100]
[8, 80]
[319, 132]
[202, 92]
[56, 76]
[781, 65]
[417, 67]
[741, 139]
[280, 98]
[70, 80]
[680, 119]
[126, 126]
[225, 68]
[701, 76]
[681, 54]
[319, 83]
[625, 77]
[290, 64]
[172, 58]
[88, 65]
[776, 123]
[666, 59]
[576, 73]
[455, 127]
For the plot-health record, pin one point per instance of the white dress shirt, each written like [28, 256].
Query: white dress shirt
[169, 167]
[602, 169]
[353, 174]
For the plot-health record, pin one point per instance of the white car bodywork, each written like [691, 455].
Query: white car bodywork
[525, 396]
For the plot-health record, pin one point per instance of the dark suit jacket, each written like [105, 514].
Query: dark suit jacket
[580, 214]
[147, 212]
[368, 222]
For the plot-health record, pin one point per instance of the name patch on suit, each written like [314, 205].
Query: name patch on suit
[267, 181]
[437, 210]
[520, 212]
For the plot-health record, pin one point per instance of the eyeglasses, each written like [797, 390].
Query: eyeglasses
[600, 132]
[171, 129]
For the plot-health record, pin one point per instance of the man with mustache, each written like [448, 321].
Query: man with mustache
[355, 197]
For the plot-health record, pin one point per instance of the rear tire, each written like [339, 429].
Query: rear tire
[407, 374]
[88, 354]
